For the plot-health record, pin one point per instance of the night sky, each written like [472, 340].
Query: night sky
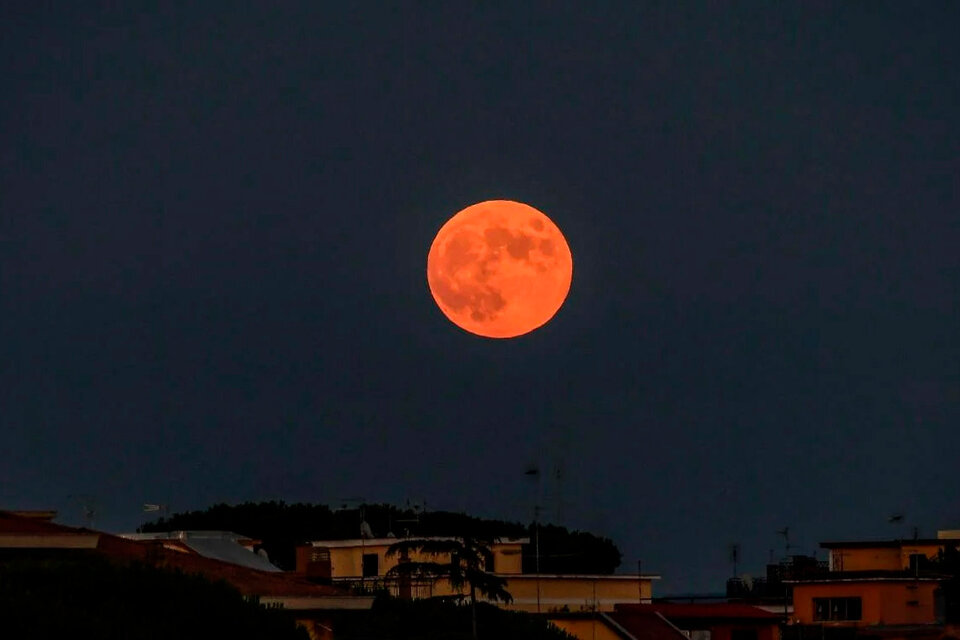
[215, 217]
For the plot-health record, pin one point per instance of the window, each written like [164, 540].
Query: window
[371, 565]
[827, 609]
[917, 561]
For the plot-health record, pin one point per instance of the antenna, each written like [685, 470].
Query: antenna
[88, 508]
[734, 555]
[558, 469]
[785, 532]
[162, 510]
[417, 512]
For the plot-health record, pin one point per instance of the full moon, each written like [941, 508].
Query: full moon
[499, 269]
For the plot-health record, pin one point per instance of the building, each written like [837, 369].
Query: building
[888, 588]
[866, 599]
[545, 593]
[219, 545]
[364, 564]
[309, 603]
[886, 555]
[638, 625]
[774, 590]
[713, 621]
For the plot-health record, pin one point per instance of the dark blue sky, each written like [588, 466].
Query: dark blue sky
[215, 221]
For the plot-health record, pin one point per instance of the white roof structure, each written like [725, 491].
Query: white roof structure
[219, 545]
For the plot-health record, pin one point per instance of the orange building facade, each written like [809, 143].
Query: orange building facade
[880, 586]
[878, 601]
[365, 563]
[887, 555]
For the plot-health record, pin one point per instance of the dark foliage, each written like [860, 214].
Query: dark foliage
[436, 619]
[283, 526]
[465, 565]
[563, 551]
[83, 595]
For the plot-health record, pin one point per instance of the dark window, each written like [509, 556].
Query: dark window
[917, 560]
[371, 565]
[743, 634]
[826, 609]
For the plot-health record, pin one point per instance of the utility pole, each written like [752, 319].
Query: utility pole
[639, 584]
[536, 546]
[534, 471]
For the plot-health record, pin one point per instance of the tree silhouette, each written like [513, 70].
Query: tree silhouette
[468, 560]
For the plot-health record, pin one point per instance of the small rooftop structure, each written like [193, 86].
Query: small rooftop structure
[219, 545]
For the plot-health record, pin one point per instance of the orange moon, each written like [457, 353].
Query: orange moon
[499, 269]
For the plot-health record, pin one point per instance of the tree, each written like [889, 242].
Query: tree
[467, 566]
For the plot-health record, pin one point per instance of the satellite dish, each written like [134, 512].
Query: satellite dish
[365, 531]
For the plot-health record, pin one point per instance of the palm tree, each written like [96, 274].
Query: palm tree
[468, 560]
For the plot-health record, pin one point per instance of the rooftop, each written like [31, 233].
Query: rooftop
[580, 576]
[876, 575]
[943, 536]
[34, 533]
[644, 624]
[377, 542]
[219, 545]
[714, 611]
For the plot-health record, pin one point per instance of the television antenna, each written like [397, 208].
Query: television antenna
[89, 508]
[418, 509]
[785, 532]
[558, 469]
[734, 555]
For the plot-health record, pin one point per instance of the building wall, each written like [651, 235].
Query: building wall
[592, 629]
[865, 559]
[880, 558]
[908, 549]
[508, 558]
[347, 562]
[575, 593]
[725, 631]
[882, 602]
